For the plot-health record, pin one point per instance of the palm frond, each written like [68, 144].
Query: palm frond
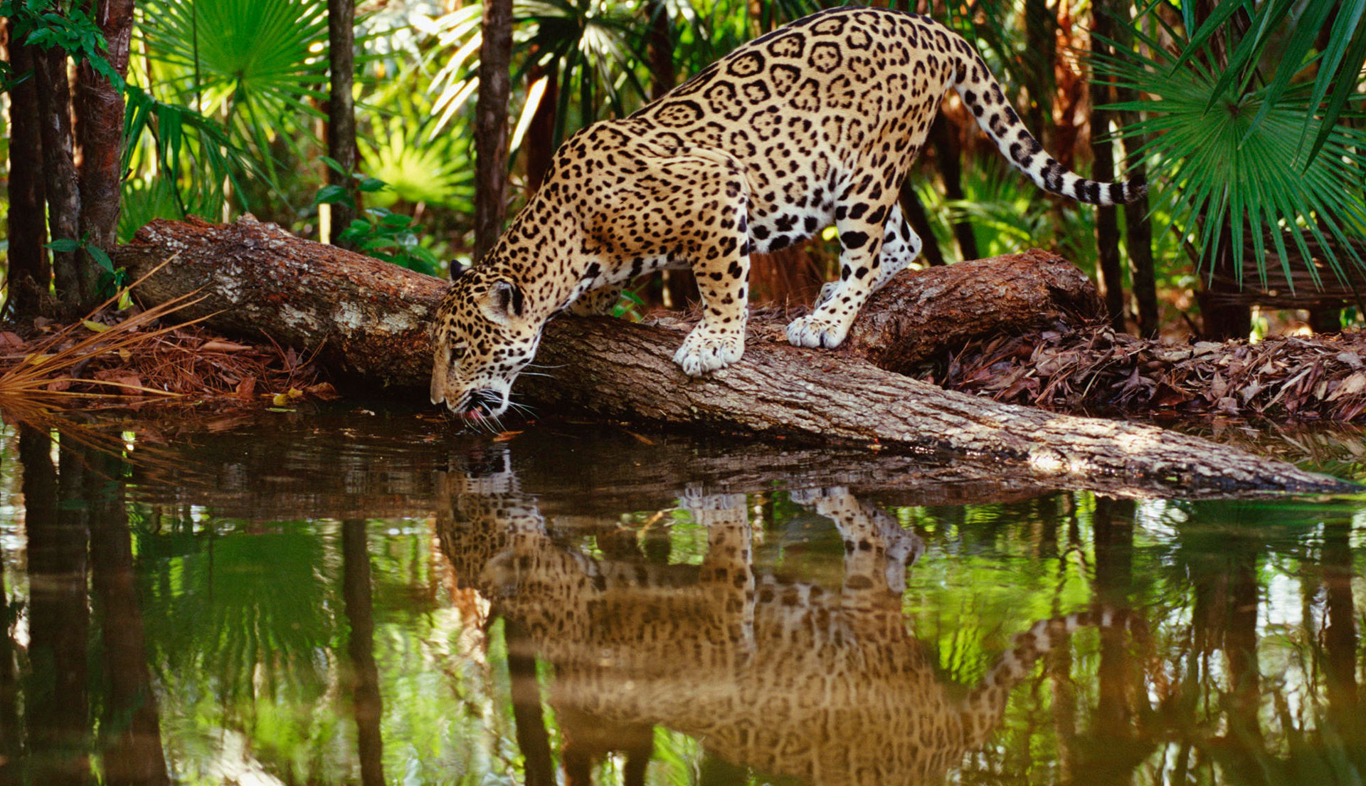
[1232, 161]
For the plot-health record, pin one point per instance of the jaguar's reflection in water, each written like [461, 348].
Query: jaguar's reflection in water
[789, 678]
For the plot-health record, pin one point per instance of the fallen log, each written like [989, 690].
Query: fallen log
[368, 320]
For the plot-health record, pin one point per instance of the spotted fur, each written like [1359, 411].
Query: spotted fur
[822, 680]
[816, 123]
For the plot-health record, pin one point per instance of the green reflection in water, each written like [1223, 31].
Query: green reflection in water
[537, 625]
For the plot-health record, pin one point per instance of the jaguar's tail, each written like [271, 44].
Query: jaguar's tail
[982, 95]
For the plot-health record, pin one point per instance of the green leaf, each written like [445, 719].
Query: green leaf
[101, 258]
[370, 185]
[334, 165]
[332, 195]
[64, 245]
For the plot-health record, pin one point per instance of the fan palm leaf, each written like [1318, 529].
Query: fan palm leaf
[1232, 156]
[253, 62]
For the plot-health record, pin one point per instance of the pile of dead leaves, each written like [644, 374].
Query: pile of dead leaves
[131, 358]
[1093, 368]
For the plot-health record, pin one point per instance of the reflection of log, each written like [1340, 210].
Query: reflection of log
[368, 320]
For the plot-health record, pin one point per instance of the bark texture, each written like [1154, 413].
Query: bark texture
[100, 105]
[74, 292]
[29, 271]
[369, 319]
[491, 126]
[917, 316]
[1103, 169]
[341, 108]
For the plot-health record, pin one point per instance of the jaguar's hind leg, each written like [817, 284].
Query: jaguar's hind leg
[860, 220]
[900, 247]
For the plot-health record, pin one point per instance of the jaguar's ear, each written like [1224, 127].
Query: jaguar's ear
[505, 301]
[459, 269]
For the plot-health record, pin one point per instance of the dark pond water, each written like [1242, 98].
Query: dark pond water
[356, 598]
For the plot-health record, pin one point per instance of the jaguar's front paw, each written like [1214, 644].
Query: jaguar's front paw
[704, 351]
[817, 330]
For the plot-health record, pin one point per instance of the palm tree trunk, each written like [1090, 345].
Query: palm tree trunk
[59, 173]
[29, 271]
[1040, 24]
[366, 701]
[10, 737]
[540, 134]
[1111, 274]
[341, 108]
[56, 699]
[946, 155]
[491, 126]
[662, 74]
[1138, 228]
[532, 737]
[131, 731]
[1341, 639]
[100, 108]
[914, 212]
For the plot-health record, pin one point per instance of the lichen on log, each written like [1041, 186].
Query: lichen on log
[367, 319]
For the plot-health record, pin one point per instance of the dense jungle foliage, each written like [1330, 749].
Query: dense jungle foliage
[1245, 117]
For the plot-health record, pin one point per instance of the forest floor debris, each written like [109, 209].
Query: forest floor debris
[134, 357]
[1092, 368]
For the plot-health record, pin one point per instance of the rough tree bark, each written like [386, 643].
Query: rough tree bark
[100, 107]
[1138, 237]
[369, 319]
[29, 271]
[341, 108]
[59, 173]
[1111, 276]
[491, 126]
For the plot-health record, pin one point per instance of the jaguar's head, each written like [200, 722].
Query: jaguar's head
[482, 338]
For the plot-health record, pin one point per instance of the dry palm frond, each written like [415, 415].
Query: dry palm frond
[53, 359]
[138, 359]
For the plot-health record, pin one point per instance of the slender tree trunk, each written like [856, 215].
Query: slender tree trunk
[100, 108]
[10, 738]
[1224, 313]
[1111, 273]
[914, 212]
[540, 135]
[59, 173]
[532, 737]
[491, 126]
[55, 699]
[662, 74]
[1113, 525]
[1340, 639]
[951, 169]
[341, 107]
[1138, 237]
[131, 731]
[30, 275]
[1040, 24]
[360, 646]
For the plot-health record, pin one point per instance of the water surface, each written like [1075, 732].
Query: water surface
[365, 596]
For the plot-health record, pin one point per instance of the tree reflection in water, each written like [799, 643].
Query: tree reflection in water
[662, 613]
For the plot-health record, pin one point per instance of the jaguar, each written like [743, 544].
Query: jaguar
[814, 124]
